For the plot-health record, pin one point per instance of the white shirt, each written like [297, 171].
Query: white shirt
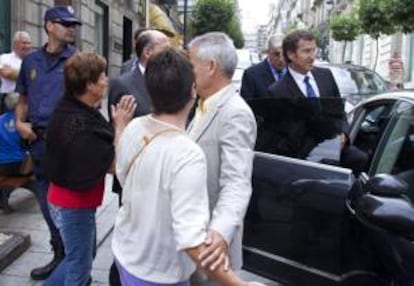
[299, 79]
[13, 61]
[164, 202]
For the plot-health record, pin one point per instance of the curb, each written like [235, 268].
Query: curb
[12, 245]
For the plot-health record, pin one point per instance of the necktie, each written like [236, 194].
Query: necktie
[279, 75]
[310, 92]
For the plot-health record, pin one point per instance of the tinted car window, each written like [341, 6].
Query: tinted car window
[356, 82]
[371, 126]
[397, 153]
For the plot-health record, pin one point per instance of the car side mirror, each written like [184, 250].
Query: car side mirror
[385, 206]
[386, 185]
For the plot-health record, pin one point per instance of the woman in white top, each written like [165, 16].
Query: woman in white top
[161, 227]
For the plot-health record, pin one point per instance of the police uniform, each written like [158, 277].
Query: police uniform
[41, 82]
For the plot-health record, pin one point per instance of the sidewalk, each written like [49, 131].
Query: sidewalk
[27, 218]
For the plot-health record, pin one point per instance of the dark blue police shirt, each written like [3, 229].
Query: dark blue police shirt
[42, 82]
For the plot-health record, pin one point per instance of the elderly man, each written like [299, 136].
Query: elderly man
[149, 43]
[40, 87]
[225, 128]
[257, 79]
[10, 64]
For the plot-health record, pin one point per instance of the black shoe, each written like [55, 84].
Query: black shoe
[44, 272]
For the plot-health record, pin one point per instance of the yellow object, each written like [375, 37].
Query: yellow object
[160, 20]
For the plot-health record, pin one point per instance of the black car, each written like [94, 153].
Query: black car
[356, 83]
[317, 223]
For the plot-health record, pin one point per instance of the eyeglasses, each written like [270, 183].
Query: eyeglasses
[65, 24]
[276, 53]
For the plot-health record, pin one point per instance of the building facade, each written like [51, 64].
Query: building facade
[107, 25]
[315, 14]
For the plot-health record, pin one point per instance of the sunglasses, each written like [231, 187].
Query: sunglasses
[65, 24]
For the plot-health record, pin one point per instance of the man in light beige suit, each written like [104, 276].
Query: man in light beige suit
[225, 128]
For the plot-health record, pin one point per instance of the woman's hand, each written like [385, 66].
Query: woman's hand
[123, 111]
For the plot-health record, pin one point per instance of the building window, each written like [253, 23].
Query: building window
[101, 28]
[4, 26]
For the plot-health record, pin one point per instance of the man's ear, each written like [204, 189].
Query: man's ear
[213, 66]
[49, 26]
[290, 55]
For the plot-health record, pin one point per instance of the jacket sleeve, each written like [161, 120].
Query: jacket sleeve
[247, 87]
[237, 139]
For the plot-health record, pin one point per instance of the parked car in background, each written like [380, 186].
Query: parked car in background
[246, 58]
[313, 223]
[356, 83]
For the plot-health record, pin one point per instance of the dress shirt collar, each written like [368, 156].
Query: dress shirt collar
[141, 68]
[299, 79]
[205, 105]
[276, 74]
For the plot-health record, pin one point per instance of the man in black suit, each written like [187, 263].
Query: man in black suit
[131, 64]
[317, 110]
[257, 78]
[149, 43]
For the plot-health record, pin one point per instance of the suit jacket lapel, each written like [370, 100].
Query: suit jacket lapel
[319, 82]
[212, 113]
[267, 73]
[292, 86]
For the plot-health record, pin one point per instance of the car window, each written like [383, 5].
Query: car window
[344, 81]
[367, 81]
[358, 81]
[370, 126]
[397, 154]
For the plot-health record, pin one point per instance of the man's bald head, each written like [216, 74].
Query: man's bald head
[149, 43]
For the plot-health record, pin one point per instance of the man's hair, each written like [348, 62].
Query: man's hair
[10, 100]
[145, 39]
[138, 33]
[20, 34]
[80, 70]
[290, 43]
[275, 41]
[219, 47]
[169, 78]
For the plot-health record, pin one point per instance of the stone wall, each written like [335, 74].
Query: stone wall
[28, 15]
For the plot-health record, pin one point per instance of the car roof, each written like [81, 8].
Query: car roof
[407, 94]
[344, 66]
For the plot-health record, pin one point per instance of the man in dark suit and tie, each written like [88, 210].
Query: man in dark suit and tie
[131, 64]
[257, 79]
[318, 111]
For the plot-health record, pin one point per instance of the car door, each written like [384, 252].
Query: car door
[297, 227]
[294, 225]
[392, 252]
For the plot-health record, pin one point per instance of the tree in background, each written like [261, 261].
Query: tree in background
[217, 15]
[376, 19]
[402, 14]
[344, 28]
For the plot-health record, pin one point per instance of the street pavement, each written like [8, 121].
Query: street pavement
[26, 218]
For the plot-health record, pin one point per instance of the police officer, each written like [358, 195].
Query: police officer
[40, 86]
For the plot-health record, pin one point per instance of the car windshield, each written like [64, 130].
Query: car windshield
[356, 81]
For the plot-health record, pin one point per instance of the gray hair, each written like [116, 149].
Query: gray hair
[219, 47]
[20, 34]
[10, 100]
[275, 41]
